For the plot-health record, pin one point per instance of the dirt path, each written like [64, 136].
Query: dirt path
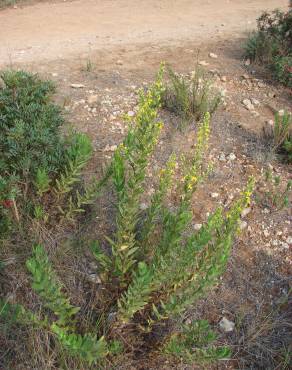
[49, 31]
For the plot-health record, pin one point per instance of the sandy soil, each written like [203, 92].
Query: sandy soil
[56, 30]
[124, 42]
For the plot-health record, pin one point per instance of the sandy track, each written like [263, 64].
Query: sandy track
[50, 31]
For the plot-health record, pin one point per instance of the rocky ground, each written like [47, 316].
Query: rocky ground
[98, 87]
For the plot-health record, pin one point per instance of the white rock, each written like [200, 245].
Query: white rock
[77, 86]
[226, 325]
[213, 56]
[245, 212]
[281, 112]
[143, 206]
[247, 62]
[94, 278]
[223, 78]
[266, 233]
[197, 227]
[92, 99]
[255, 102]
[131, 113]
[248, 104]
[203, 63]
[242, 225]
[232, 157]
[110, 148]
[222, 157]
[214, 195]
[289, 240]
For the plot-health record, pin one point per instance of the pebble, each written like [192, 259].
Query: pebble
[131, 113]
[289, 240]
[77, 86]
[213, 56]
[214, 195]
[222, 157]
[203, 63]
[248, 104]
[143, 206]
[232, 157]
[226, 325]
[92, 99]
[247, 62]
[281, 112]
[255, 102]
[94, 278]
[119, 62]
[266, 233]
[245, 212]
[242, 225]
[197, 227]
[223, 78]
[110, 148]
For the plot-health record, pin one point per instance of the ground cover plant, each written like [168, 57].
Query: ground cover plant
[271, 44]
[190, 98]
[142, 293]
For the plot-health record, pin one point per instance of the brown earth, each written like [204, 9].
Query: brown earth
[114, 47]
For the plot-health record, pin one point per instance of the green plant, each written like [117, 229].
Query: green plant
[190, 98]
[275, 197]
[193, 344]
[281, 136]
[35, 159]
[271, 44]
[139, 281]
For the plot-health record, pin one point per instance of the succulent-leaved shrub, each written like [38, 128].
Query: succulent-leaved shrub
[153, 269]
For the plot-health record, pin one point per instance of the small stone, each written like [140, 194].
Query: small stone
[92, 99]
[143, 206]
[55, 74]
[131, 113]
[247, 62]
[232, 157]
[255, 102]
[214, 195]
[119, 62]
[223, 78]
[222, 157]
[281, 112]
[213, 56]
[289, 240]
[242, 225]
[270, 122]
[77, 86]
[197, 227]
[94, 278]
[245, 76]
[110, 148]
[248, 104]
[266, 233]
[203, 63]
[245, 212]
[271, 95]
[226, 325]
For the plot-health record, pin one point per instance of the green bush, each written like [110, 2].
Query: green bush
[35, 158]
[152, 270]
[190, 98]
[271, 44]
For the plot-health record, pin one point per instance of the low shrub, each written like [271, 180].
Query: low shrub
[152, 270]
[35, 158]
[190, 98]
[271, 44]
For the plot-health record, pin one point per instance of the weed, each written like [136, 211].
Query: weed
[275, 197]
[281, 136]
[190, 98]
